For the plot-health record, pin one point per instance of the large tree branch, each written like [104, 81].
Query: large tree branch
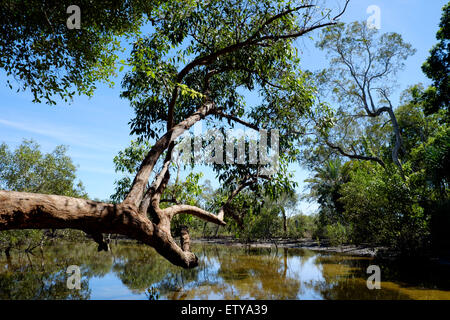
[278, 16]
[21, 210]
[354, 156]
[137, 190]
[293, 34]
[159, 183]
[398, 138]
[195, 211]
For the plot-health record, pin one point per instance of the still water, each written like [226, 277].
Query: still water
[132, 271]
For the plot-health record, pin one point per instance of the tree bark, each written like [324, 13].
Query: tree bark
[21, 210]
[185, 240]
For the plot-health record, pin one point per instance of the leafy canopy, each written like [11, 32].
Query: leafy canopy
[221, 49]
[437, 68]
[46, 57]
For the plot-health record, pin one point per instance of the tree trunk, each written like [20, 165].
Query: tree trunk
[21, 210]
[185, 240]
[398, 140]
[284, 222]
[217, 231]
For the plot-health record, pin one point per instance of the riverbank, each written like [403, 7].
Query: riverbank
[323, 246]
[382, 253]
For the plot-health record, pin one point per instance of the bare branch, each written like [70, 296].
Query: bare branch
[192, 210]
[278, 16]
[294, 34]
[342, 11]
[354, 156]
[220, 113]
[398, 137]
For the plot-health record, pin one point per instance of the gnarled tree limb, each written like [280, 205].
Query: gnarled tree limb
[193, 210]
[21, 210]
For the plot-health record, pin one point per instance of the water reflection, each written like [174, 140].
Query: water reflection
[130, 270]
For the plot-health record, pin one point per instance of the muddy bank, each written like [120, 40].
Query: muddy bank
[309, 244]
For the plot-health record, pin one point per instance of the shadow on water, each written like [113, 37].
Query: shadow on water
[131, 271]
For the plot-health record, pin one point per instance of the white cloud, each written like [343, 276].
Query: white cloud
[64, 134]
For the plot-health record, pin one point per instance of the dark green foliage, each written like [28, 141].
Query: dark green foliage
[325, 188]
[49, 59]
[380, 206]
[437, 68]
[383, 209]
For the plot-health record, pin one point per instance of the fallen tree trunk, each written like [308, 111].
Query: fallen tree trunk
[21, 210]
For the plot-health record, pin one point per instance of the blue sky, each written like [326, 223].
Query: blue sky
[96, 128]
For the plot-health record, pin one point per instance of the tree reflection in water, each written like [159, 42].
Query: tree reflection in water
[223, 273]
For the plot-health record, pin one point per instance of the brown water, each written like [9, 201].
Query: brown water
[132, 271]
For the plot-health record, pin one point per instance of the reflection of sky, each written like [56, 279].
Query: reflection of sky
[300, 268]
[307, 272]
[110, 287]
[210, 272]
[225, 273]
